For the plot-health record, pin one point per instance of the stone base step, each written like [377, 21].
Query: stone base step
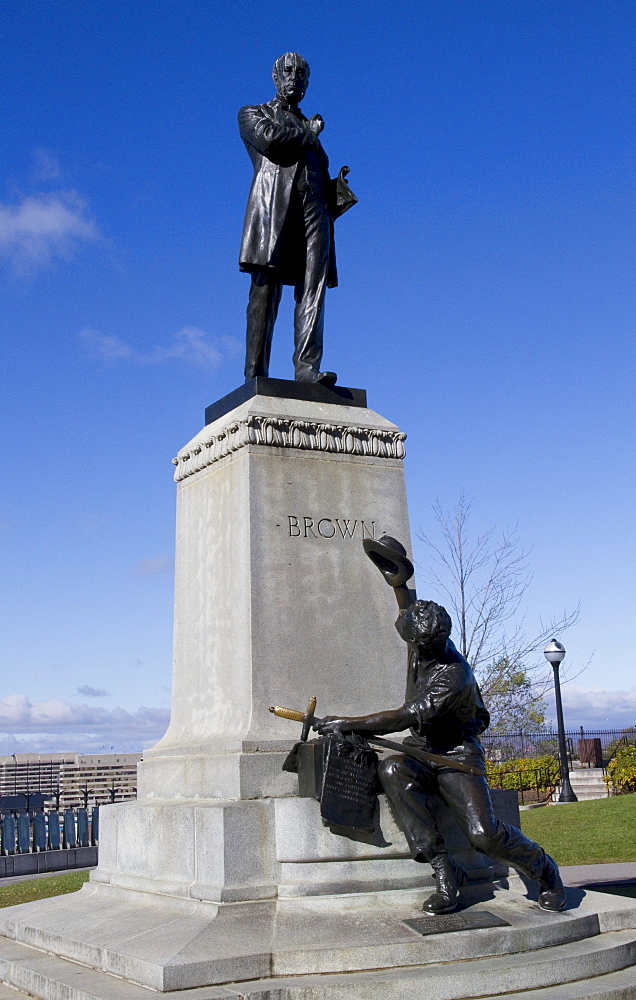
[349, 952]
[34, 973]
[614, 986]
[169, 944]
[506, 975]
[540, 975]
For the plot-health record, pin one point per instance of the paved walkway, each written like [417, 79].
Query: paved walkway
[581, 875]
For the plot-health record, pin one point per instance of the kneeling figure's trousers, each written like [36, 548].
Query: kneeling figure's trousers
[408, 784]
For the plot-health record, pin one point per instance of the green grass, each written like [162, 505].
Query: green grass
[40, 888]
[585, 833]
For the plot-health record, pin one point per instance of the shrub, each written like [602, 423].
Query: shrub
[524, 773]
[621, 771]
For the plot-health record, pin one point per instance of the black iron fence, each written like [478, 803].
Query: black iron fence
[502, 747]
[532, 784]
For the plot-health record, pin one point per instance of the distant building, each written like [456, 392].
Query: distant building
[24, 773]
[72, 779]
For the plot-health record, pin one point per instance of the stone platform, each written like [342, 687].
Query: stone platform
[275, 599]
[342, 947]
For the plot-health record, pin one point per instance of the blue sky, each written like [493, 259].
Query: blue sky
[486, 303]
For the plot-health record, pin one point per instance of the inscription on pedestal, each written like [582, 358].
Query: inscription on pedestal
[329, 527]
[466, 921]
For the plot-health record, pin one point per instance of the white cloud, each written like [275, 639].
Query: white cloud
[91, 692]
[42, 227]
[19, 715]
[47, 743]
[190, 345]
[155, 566]
[107, 348]
[595, 707]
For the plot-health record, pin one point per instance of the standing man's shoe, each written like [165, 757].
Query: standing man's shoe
[321, 378]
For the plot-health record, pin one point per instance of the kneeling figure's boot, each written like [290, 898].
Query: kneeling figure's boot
[551, 892]
[448, 878]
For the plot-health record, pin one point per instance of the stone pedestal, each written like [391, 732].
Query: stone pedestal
[275, 599]
[226, 852]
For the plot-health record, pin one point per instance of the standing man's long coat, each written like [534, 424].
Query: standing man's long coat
[278, 144]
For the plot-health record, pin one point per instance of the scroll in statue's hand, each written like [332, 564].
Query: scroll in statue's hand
[316, 123]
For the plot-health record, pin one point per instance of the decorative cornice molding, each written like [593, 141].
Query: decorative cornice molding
[281, 432]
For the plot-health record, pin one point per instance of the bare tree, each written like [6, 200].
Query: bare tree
[484, 578]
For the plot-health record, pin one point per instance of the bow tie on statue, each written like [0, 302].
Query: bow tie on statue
[291, 109]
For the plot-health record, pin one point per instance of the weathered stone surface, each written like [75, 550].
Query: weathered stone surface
[63, 980]
[314, 861]
[202, 850]
[353, 950]
[207, 773]
[241, 850]
[275, 599]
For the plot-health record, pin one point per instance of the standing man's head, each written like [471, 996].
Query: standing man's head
[291, 77]
[426, 624]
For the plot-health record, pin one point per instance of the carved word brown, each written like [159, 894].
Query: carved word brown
[329, 527]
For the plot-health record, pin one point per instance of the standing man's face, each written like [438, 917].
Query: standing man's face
[292, 79]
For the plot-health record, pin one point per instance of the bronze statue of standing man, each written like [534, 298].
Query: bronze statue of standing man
[288, 230]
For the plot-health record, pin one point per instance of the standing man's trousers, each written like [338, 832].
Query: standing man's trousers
[309, 292]
[409, 784]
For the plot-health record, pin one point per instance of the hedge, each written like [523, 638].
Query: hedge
[524, 773]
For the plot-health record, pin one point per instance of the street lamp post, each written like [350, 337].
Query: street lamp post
[554, 653]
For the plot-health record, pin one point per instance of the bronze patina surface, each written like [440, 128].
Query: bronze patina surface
[288, 231]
